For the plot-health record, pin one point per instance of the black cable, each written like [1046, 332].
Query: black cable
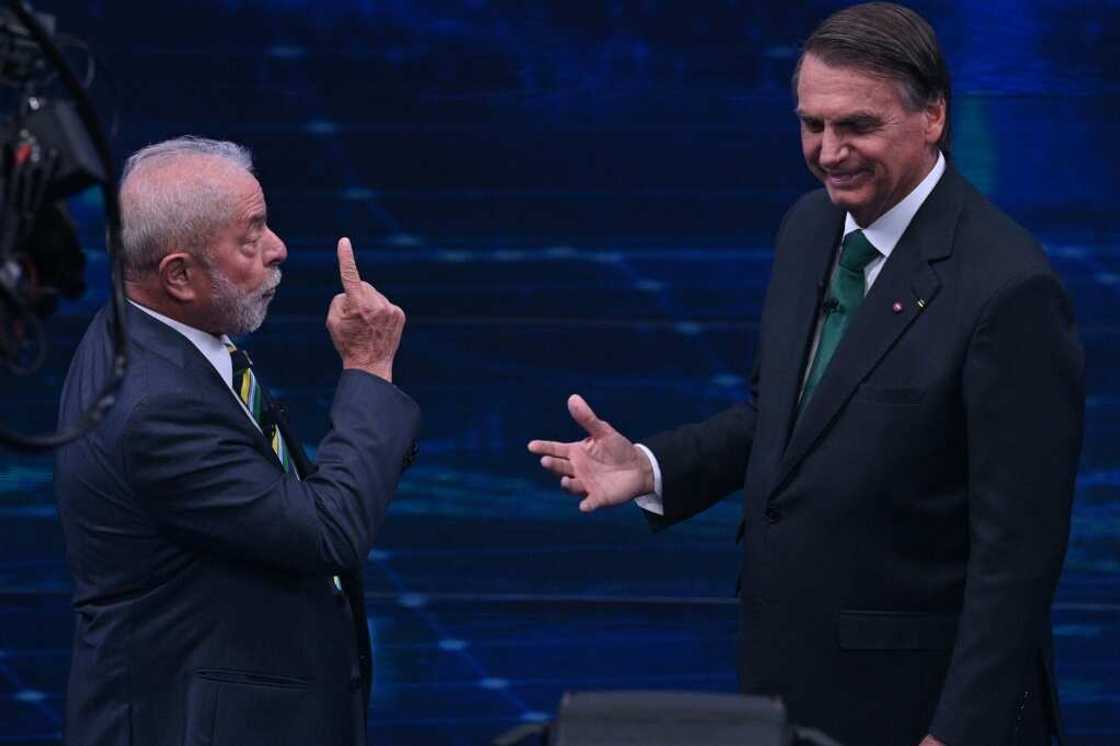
[86, 113]
[68, 41]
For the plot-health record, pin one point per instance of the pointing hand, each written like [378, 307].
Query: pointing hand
[364, 326]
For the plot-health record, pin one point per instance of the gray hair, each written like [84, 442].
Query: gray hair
[164, 211]
[889, 41]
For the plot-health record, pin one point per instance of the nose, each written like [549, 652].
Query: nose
[277, 252]
[833, 149]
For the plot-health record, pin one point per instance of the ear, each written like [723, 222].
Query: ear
[935, 121]
[178, 274]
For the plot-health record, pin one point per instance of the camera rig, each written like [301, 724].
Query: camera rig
[50, 148]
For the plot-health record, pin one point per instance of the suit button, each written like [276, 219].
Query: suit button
[773, 515]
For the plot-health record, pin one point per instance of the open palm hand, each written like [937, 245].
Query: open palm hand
[604, 468]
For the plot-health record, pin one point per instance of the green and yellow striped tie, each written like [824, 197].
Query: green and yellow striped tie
[248, 389]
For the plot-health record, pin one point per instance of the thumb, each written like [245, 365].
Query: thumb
[583, 415]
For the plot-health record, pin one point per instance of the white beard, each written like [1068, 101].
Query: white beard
[242, 313]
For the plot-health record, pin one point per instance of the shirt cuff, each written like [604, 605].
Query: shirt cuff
[652, 500]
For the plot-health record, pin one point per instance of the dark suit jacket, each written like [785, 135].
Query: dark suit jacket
[903, 537]
[206, 613]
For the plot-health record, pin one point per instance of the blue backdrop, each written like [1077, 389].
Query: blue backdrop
[564, 196]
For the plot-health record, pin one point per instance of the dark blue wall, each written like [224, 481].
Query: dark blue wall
[564, 196]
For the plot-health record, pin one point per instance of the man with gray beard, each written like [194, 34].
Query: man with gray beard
[217, 573]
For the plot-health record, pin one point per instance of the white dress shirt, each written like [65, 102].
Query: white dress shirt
[884, 234]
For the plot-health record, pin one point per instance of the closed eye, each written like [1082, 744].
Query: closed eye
[860, 125]
[812, 124]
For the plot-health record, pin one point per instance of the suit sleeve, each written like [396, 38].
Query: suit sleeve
[703, 462]
[206, 483]
[1022, 385]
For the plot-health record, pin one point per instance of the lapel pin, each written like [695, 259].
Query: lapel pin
[921, 303]
[897, 307]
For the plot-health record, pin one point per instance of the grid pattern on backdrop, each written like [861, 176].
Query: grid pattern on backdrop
[564, 196]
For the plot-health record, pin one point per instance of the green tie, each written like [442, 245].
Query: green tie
[248, 389]
[846, 292]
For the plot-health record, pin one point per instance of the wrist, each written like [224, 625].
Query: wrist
[645, 468]
[383, 370]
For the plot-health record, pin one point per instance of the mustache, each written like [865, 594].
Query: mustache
[272, 281]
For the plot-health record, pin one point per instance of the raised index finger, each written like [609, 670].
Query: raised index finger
[348, 268]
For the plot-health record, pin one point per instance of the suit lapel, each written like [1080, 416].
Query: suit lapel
[907, 279]
[160, 339]
[814, 259]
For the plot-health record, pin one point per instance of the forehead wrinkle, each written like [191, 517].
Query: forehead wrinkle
[838, 85]
[250, 205]
[853, 115]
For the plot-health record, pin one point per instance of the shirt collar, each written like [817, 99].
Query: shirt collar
[212, 348]
[885, 233]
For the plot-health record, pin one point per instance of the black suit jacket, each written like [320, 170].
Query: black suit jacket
[902, 537]
[206, 613]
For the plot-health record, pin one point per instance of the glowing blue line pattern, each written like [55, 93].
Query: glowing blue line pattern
[563, 196]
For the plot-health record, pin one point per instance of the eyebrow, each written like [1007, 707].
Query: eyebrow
[859, 117]
[856, 118]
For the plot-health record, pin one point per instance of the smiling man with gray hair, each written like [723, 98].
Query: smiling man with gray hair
[217, 573]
